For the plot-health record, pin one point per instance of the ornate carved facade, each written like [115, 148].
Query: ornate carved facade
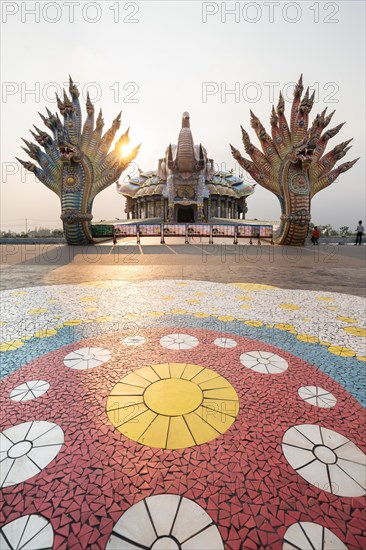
[185, 187]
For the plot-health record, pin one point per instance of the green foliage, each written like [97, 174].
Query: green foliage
[344, 231]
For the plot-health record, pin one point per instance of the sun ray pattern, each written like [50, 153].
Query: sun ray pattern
[173, 405]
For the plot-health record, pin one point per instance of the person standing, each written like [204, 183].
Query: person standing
[315, 234]
[359, 232]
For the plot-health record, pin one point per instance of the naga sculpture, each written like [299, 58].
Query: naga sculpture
[292, 165]
[75, 163]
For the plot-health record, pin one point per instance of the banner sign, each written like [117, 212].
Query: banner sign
[102, 230]
[254, 231]
[266, 231]
[223, 231]
[152, 230]
[177, 230]
[183, 230]
[125, 230]
[196, 230]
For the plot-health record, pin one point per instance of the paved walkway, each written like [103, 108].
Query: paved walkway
[183, 401]
[329, 267]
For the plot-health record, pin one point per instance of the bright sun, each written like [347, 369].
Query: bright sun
[126, 150]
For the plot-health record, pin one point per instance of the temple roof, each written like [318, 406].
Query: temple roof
[220, 183]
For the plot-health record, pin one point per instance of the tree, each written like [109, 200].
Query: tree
[326, 230]
[344, 231]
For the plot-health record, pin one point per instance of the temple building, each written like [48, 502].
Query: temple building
[185, 187]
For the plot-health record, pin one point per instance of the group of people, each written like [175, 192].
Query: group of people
[315, 234]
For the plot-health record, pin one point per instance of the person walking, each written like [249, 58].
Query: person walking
[359, 232]
[315, 234]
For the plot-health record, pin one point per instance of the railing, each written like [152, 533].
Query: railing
[189, 230]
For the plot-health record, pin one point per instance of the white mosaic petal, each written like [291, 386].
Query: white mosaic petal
[32, 532]
[13, 530]
[333, 439]
[23, 468]
[355, 471]
[311, 536]
[349, 451]
[115, 543]
[87, 358]
[263, 362]
[190, 520]
[177, 522]
[225, 343]
[5, 470]
[342, 484]
[135, 525]
[317, 396]
[35, 445]
[315, 473]
[134, 340]
[297, 457]
[250, 363]
[342, 475]
[311, 432]
[3, 544]
[209, 538]
[29, 390]
[163, 509]
[178, 341]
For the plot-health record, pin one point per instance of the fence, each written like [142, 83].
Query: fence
[186, 230]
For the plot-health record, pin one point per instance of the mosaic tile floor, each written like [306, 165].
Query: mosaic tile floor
[182, 415]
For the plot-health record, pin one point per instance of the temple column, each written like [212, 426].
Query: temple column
[226, 208]
[216, 207]
[162, 213]
[208, 209]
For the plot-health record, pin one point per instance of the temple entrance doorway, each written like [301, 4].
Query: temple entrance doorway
[186, 214]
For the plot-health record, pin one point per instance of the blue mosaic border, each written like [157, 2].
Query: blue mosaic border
[347, 371]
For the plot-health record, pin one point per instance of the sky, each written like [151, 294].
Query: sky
[155, 60]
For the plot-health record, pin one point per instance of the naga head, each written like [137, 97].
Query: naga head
[70, 153]
[303, 152]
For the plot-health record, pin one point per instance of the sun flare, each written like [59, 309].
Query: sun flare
[126, 150]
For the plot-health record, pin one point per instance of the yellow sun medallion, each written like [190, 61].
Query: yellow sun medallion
[173, 405]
